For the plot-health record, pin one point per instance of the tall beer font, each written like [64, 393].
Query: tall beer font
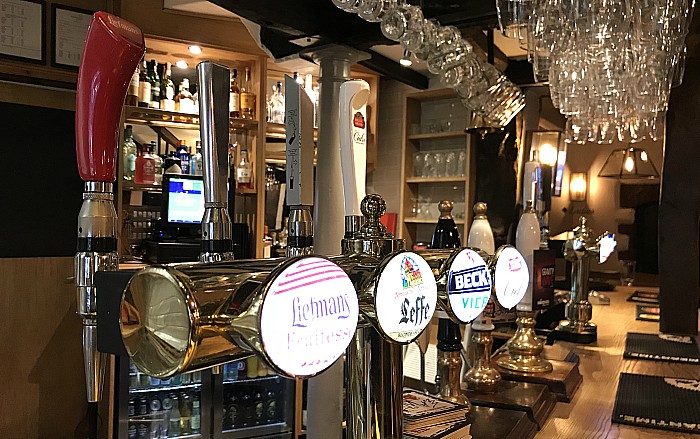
[581, 250]
[113, 48]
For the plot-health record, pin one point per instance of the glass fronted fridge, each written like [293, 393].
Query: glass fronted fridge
[246, 400]
[255, 402]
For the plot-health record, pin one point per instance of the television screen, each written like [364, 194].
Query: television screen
[185, 199]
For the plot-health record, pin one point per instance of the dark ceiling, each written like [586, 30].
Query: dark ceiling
[284, 22]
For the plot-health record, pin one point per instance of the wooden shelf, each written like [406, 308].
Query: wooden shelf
[131, 186]
[436, 179]
[246, 192]
[175, 119]
[437, 136]
[412, 220]
[277, 131]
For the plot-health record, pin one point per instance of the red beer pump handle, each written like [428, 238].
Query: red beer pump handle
[113, 49]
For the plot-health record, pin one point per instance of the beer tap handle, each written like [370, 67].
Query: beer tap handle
[214, 129]
[113, 48]
[353, 150]
[214, 134]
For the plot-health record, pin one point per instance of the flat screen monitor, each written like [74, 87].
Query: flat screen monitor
[183, 199]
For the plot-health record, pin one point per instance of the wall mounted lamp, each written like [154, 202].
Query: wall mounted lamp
[578, 186]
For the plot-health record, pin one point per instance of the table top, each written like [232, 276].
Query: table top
[588, 414]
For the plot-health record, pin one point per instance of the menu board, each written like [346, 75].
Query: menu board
[22, 30]
[70, 30]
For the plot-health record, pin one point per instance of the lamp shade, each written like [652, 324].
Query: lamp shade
[628, 164]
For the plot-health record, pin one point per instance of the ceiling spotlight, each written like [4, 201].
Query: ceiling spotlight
[182, 64]
[195, 50]
[406, 60]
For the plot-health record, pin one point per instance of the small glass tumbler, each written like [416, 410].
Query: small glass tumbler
[418, 164]
[627, 269]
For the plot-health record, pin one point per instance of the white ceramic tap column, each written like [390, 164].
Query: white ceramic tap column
[325, 392]
[481, 237]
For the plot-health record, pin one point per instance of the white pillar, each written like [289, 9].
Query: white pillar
[325, 393]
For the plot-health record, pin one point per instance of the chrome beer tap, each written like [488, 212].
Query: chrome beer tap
[299, 120]
[581, 250]
[217, 244]
[113, 48]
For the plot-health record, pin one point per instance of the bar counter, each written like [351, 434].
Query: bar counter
[588, 415]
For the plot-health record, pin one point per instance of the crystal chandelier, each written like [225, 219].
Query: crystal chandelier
[610, 63]
[482, 88]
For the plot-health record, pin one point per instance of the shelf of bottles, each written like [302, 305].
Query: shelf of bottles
[164, 408]
[255, 399]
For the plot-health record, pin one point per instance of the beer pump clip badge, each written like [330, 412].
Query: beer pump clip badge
[511, 276]
[405, 297]
[468, 285]
[308, 316]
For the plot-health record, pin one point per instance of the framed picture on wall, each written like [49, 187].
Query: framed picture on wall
[70, 26]
[23, 30]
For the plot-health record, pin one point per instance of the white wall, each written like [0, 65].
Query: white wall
[386, 178]
[603, 193]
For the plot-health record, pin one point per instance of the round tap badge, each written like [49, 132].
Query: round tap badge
[468, 285]
[308, 316]
[511, 277]
[405, 297]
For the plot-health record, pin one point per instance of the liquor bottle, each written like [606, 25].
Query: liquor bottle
[234, 412]
[172, 164]
[446, 234]
[277, 101]
[258, 409]
[144, 86]
[155, 409]
[132, 96]
[247, 409]
[155, 84]
[133, 432]
[196, 415]
[145, 171]
[247, 97]
[234, 102]
[196, 160]
[132, 407]
[183, 101]
[174, 420]
[271, 407]
[185, 414]
[167, 89]
[143, 406]
[184, 157]
[157, 163]
[129, 154]
[167, 405]
[244, 173]
[142, 431]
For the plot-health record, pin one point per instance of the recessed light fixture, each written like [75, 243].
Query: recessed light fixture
[406, 60]
[182, 64]
[195, 50]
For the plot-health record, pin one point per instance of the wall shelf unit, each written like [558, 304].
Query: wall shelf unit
[433, 133]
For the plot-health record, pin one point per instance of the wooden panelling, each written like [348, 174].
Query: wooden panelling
[43, 390]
